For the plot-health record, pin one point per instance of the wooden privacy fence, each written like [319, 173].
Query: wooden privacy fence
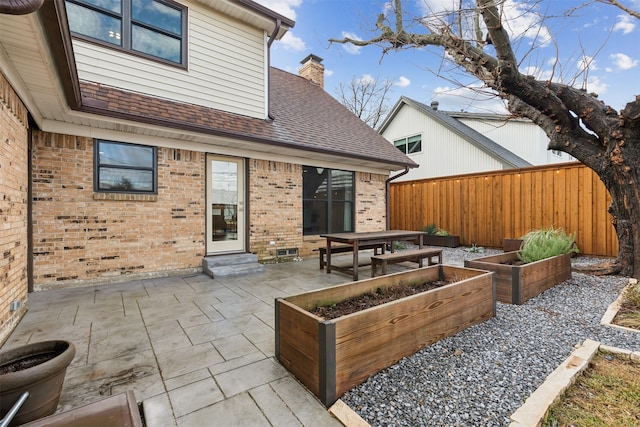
[484, 208]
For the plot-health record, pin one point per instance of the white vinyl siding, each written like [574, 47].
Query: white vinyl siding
[226, 65]
[443, 151]
[523, 138]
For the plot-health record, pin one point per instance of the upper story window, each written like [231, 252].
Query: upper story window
[557, 153]
[410, 145]
[155, 29]
[128, 168]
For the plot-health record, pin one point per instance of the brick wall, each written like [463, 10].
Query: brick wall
[275, 203]
[13, 206]
[371, 211]
[81, 236]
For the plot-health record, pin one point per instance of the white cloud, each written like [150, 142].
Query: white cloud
[283, 7]
[537, 73]
[623, 62]
[472, 98]
[438, 6]
[328, 73]
[596, 85]
[349, 48]
[402, 82]
[291, 42]
[587, 63]
[519, 19]
[521, 22]
[624, 24]
[366, 79]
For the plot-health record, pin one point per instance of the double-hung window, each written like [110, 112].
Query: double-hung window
[328, 200]
[155, 29]
[125, 168]
[410, 145]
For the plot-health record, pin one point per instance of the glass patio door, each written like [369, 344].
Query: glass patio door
[225, 204]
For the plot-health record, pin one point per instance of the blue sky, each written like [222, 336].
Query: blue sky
[599, 35]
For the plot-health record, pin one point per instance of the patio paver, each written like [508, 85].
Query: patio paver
[193, 349]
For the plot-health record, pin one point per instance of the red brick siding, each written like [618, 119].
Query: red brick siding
[13, 206]
[81, 236]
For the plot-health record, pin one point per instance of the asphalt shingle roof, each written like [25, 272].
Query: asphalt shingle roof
[305, 117]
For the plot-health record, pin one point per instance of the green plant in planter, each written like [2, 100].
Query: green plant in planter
[430, 229]
[546, 243]
[433, 230]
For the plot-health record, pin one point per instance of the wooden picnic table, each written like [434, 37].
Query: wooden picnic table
[356, 239]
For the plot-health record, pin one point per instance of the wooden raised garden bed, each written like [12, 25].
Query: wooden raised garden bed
[332, 356]
[516, 284]
[437, 240]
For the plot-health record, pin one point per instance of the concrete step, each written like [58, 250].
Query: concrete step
[236, 270]
[231, 265]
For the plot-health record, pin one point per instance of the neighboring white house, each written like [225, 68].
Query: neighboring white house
[451, 143]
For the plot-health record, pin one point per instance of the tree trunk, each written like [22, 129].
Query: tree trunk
[619, 169]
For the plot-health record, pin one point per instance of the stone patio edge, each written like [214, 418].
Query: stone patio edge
[347, 416]
[532, 412]
[614, 307]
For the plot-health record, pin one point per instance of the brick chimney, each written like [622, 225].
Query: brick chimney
[312, 69]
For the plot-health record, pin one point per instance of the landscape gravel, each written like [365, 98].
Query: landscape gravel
[482, 375]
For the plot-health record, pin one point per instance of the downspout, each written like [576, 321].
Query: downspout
[387, 186]
[269, 43]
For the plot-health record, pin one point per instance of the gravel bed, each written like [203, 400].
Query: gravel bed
[482, 375]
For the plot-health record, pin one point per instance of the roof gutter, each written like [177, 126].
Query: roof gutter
[19, 7]
[272, 38]
[387, 188]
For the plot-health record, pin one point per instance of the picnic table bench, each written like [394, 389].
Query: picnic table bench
[376, 246]
[415, 255]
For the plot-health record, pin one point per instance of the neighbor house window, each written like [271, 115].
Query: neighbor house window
[328, 200]
[151, 28]
[128, 168]
[410, 145]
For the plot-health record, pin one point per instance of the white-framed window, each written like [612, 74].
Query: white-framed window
[409, 145]
[557, 153]
[154, 29]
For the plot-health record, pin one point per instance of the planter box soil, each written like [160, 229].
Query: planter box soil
[515, 284]
[332, 356]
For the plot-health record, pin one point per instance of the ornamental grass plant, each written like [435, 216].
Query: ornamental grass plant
[546, 243]
[432, 229]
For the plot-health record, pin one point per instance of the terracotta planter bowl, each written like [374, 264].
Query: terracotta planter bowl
[43, 381]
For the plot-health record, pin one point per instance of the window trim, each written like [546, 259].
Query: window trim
[405, 143]
[127, 24]
[330, 201]
[97, 165]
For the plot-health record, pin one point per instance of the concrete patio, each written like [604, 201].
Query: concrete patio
[196, 351]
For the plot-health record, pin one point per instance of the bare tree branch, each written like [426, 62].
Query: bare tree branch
[575, 120]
